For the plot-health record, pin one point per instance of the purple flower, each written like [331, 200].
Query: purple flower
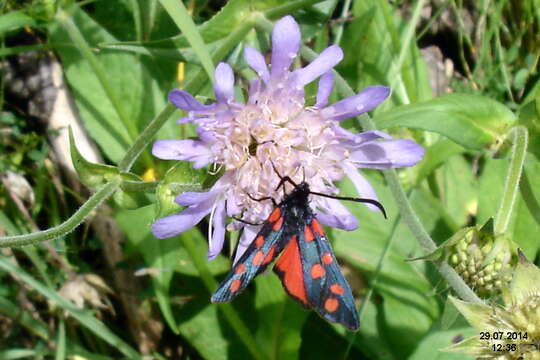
[276, 126]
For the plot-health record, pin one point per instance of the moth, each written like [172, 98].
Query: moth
[306, 264]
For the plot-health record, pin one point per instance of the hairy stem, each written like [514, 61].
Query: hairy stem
[67, 226]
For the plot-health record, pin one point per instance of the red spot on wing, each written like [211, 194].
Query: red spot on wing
[316, 226]
[317, 271]
[258, 258]
[337, 289]
[331, 305]
[277, 225]
[235, 285]
[327, 258]
[240, 269]
[270, 256]
[308, 234]
[259, 241]
[289, 268]
[276, 214]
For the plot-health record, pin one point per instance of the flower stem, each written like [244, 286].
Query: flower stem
[230, 313]
[67, 226]
[145, 137]
[343, 18]
[406, 210]
[520, 138]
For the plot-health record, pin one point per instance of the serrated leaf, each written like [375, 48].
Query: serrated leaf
[472, 121]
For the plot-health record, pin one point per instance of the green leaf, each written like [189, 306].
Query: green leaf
[13, 354]
[435, 156]
[491, 185]
[14, 20]
[15, 312]
[213, 33]
[139, 85]
[280, 319]
[431, 345]
[371, 339]
[90, 174]
[458, 189]
[183, 20]
[473, 121]
[61, 341]
[84, 317]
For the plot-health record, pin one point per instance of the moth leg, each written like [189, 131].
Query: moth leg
[246, 222]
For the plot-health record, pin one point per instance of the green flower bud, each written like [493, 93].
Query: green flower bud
[510, 331]
[482, 259]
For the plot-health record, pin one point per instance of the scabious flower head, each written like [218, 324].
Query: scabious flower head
[275, 126]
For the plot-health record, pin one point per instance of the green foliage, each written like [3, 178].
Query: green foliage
[121, 60]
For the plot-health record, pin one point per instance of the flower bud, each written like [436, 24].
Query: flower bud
[483, 260]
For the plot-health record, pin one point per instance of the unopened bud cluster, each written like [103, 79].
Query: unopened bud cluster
[484, 261]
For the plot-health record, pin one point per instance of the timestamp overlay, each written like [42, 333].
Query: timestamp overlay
[508, 341]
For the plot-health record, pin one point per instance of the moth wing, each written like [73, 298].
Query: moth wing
[259, 254]
[310, 273]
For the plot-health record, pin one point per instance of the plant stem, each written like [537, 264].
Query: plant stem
[67, 226]
[341, 25]
[145, 137]
[520, 137]
[230, 313]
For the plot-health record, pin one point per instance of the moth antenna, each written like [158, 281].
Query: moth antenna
[360, 200]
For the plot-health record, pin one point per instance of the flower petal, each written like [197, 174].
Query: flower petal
[285, 45]
[358, 104]
[363, 187]
[190, 150]
[387, 154]
[248, 234]
[193, 198]
[256, 61]
[185, 101]
[326, 84]
[360, 137]
[224, 82]
[176, 224]
[215, 242]
[334, 214]
[322, 64]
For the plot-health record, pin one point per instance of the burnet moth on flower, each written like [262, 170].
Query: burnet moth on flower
[306, 265]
